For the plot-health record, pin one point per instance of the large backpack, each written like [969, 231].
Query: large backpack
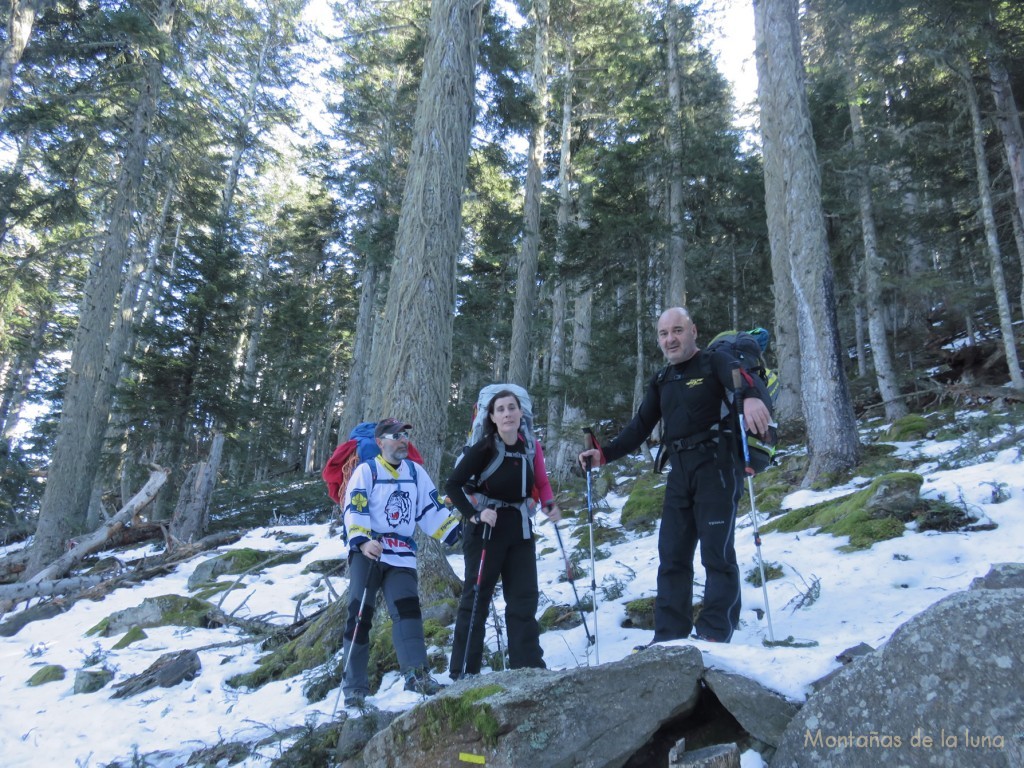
[361, 446]
[748, 347]
[476, 429]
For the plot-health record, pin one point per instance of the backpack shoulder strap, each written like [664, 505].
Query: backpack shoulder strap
[491, 468]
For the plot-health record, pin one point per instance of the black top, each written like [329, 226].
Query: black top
[506, 484]
[688, 396]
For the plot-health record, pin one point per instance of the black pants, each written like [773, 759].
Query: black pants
[513, 559]
[700, 507]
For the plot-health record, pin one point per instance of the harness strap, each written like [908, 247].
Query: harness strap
[527, 507]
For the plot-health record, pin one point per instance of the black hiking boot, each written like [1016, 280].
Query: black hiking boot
[422, 683]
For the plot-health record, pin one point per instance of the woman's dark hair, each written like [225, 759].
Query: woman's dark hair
[490, 427]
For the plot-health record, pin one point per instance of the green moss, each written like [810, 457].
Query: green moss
[851, 515]
[772, 571]
[640, 613]
[436, 633]
[446, 715]
[183, 611]
[212, 589]
[99, 628]
[51, 673]
[642, 509]
[602, 535]
[559, 617]
[913, 426]
[133, 635]
[290, 659]
[248, 560]
[383, 658]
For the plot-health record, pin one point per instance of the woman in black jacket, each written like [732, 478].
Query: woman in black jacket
[505, 474]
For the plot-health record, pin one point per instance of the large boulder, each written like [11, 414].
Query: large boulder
[593, 716]
[944, 691]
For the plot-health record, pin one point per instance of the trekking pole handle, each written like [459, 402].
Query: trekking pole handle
[737, 386]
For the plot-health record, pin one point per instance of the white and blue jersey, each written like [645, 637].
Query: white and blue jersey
[387, 503]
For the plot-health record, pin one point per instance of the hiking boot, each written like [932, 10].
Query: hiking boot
[422, 683]
[356, 699]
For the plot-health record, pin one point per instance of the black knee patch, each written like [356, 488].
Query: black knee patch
[408, 608]
[365, 624]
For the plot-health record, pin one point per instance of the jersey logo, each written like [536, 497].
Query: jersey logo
[359, 500]
[398, 510]
[694, 383]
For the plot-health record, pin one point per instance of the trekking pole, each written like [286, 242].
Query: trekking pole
[476, 597]
[591, 443]
[355, 631]
[572, 580]
[753, 507]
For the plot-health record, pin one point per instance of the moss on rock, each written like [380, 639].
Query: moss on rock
[51, 673]
[640, 613]
[642, 509]
[862, 516]
[447, 715]
[133, 635]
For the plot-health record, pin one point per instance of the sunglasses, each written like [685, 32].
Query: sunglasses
[403, 435]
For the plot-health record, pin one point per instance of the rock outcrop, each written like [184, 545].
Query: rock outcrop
[944, 691]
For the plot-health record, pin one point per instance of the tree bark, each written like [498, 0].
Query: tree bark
[529, 247]
[192, 513]
[995, 258]
[789, 405]
[833, 445]
[19, 29]
[885, 372]
[411, 367]
[676, 251]
[88, 394]
[559, 292]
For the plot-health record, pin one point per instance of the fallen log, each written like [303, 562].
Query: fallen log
[98, 539]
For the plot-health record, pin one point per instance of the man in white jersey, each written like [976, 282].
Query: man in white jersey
[386, 498]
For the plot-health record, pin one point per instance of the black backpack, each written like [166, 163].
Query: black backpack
[748, 347]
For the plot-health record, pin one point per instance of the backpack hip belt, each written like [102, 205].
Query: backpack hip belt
[527, 508]
[694, 441]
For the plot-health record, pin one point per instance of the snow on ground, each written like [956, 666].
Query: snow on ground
[861, 597]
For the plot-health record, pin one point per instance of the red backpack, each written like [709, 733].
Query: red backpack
[361, 446]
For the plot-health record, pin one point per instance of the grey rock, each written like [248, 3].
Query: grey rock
[92, 680]
[1001, 576]
[944, 691]
[596, 717]
[763, 714]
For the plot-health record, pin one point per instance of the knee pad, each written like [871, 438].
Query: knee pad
[408, 608]
[363, 633]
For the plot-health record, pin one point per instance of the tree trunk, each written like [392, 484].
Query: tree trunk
[355, 409]
[559, 293]
[411, 367]
[192, 513]
[789, 406]
[572, 417]
[1008, 120]
[529, 248]
[885, 372]
[832, 440]
[676, 252]
[995, 258]
[88, 392]
[19, 29]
